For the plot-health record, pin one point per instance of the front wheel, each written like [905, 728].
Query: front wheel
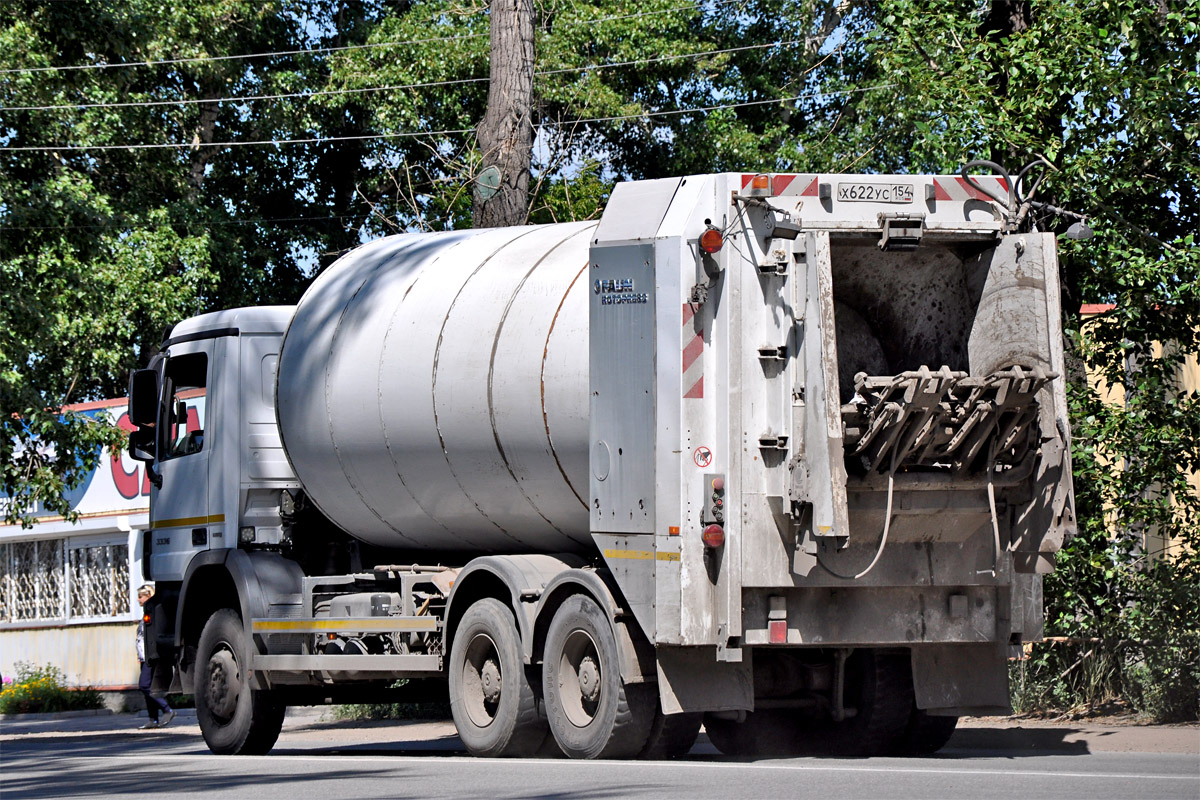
[234, 718]
[593, 714]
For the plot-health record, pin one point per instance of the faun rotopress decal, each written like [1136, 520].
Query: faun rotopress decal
[618, 291]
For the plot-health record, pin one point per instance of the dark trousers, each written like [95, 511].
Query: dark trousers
[155, 702]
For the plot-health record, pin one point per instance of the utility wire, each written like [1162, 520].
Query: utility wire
[343, 48]
[408, 134]
[371, 89]
[198, 223]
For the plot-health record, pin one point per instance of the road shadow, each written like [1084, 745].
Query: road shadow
[970, 742]
[966, 743]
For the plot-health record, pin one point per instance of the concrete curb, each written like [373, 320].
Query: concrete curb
[93, 712]
[90, 712]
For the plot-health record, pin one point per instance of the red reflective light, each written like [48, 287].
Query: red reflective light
[713, 536]
[711, 241]
[777, 631]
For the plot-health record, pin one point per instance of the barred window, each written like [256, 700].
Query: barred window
[55, 579]
[99, 580]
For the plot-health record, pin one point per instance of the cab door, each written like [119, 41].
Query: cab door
[180, 518]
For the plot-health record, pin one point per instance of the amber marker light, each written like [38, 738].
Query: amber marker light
[711, 241]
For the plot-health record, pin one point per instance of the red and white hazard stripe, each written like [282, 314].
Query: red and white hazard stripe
[693, 352]
[785, 185]
[957, 188]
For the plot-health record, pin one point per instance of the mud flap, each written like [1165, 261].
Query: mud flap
[691, 679]
[959, 679]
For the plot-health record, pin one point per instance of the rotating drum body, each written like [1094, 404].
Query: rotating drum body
[433, 390]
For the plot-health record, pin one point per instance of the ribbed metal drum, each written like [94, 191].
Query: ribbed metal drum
[433, 390]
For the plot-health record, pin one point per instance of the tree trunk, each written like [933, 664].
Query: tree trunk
[506, 132]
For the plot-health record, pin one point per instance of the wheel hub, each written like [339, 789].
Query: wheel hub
[489, 677]
[224, 684]
[589, 679]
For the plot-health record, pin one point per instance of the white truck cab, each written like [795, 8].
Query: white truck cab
[205, 412]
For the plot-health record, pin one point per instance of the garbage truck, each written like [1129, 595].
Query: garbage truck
[782, 455]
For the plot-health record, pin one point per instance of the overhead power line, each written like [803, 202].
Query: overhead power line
[190, 224]
[396, 88]
[316, 50]
[410, 134]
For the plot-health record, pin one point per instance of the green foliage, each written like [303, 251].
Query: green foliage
[40, 689]
[397, 711]
[101, 250]
[431, 710]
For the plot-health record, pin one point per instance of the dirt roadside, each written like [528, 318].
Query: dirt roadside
[1100, 734]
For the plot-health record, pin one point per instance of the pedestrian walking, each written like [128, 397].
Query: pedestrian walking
[154, 657]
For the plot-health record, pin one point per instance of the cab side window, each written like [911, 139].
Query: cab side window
[184, 405]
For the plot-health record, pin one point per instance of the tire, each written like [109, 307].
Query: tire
[671, 736]
[926, 733]
[234, 718]
[879, 686]
[771, 732]
[593, 714]
[495, 709]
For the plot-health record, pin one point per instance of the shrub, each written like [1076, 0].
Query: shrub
[361, 711]
[40, 689]
[433, 710]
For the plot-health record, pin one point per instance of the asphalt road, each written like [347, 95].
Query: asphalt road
[316, 759]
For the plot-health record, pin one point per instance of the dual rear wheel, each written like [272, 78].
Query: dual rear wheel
[581, 707]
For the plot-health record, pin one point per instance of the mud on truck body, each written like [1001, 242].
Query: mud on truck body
[783, 454]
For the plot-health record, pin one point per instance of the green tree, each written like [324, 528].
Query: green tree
[103, 245]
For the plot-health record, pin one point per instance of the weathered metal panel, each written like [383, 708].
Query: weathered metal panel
[635, 210]
[772, 308]
[635, 562]
[824, 459]
[961, 678]
[691, 678]
[623, 365]
[867, 616]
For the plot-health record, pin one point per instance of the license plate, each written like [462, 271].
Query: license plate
[875, 192]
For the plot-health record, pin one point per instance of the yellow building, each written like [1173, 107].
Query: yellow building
[1187, 381]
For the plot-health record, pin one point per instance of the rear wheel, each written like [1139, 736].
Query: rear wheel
[879, 688]
[593, 714]
[926, 733]
[493, 703]
[770, 732]
[234, 718]
[671, 736]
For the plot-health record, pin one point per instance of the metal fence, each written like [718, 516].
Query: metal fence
[56, 579]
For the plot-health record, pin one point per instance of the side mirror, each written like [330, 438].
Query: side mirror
[141, 448]
[143, 397]
[141, 445]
